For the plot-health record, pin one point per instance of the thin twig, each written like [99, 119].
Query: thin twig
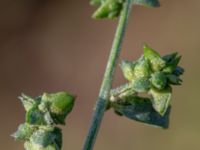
[104, 94]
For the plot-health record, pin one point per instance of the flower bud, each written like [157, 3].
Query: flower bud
[172, 61]
[46, 138]
[35, 117]
[159, 80]
[61, 104]
[142, 68]
[24, 132]
[141, 84]
[128, 69]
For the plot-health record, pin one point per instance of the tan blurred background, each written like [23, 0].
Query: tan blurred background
[54, 45]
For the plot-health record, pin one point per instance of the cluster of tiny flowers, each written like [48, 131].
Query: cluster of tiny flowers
[42, 115]
[152, 75]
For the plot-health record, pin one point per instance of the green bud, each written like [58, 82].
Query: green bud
[157, 63]
[35, 117]
[161, 99]
[142, 68]
[172, 61]
[128, 69]
[61, 104]
[159, 80]
[24, 132]
[141, 76]
[141, 84]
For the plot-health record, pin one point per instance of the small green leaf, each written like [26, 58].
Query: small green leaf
[140, 109]
[161, 99]
[159, 80]
[148, 3]
[157, 63]
[24, 132]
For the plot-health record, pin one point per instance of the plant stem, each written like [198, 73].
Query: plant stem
[104, 94]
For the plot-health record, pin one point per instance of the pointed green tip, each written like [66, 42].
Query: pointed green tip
[148, 51]
[145, 46]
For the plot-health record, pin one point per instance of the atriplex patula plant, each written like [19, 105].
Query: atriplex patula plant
[151, 75]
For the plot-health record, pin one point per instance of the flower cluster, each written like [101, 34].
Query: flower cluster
[152, 75]
[42, 115]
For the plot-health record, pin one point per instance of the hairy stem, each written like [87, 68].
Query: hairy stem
[104, 94]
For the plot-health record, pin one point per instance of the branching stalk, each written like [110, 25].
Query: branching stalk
[108, 77]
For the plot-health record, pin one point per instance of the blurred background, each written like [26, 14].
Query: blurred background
[54, 45]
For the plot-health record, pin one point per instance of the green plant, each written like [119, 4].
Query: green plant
[151, 75]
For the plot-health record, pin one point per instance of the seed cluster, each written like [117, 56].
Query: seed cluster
[42, 115]
[150, 75]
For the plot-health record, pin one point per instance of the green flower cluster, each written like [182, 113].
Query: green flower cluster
[153, 75]
[111, 8]
[42, 115]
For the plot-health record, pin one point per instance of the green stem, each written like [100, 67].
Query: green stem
[104, 94]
